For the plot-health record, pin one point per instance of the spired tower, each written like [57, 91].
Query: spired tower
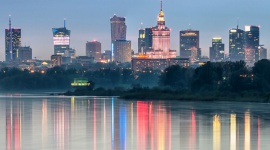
[161, 38]
[12, 42]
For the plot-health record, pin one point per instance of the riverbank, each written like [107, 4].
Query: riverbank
[168, 94]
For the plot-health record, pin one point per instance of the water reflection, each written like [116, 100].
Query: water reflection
[233, 132]
[216, 132]
[108, 123]
[247, 131]
[13, 125]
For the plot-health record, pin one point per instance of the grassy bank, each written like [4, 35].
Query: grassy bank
[168, 94]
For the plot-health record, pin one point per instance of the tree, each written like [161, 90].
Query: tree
[175, 77]
[207, 77]
[261, 72]
[240, 80]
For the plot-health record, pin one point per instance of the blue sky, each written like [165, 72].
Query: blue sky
[89, 20]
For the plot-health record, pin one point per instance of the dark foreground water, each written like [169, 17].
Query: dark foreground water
[79, 123]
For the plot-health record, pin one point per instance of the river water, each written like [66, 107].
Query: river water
[106, 123]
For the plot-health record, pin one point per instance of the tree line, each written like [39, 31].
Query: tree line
[219, 76]
[212, 76]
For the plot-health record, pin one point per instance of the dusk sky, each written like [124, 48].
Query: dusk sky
[89, 20]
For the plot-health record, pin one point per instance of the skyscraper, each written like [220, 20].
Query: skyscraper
[118, 32]
[141, 42]
[236, 44]
[252, 41]
[12, 42]
[217, 50]
[161, 37]
[189, 44]
[61, 40]
[148, 39]
[93, 49]
[122, 51]
[118, 28]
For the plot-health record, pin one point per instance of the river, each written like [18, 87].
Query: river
[31, 122]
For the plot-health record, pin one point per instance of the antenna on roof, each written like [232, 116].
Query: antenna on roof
[10, 39]
[161, 5]
[237, 22]
[64, 22]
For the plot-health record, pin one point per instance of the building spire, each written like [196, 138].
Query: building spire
[161, 5]
[64, 22]
[10, 39]
[9, 21]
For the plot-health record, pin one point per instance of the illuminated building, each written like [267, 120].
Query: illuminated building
[262, 52]
[121, 51]
[252, 40]
[56, 60]
[12, 42]
[141, 63]
[80, 82]
[25, 53]
[189, 45]
[217, 50]
[161, 39]
[93, 49]
[236, 44]
[158, 55]
[141, 42]
[61, 40]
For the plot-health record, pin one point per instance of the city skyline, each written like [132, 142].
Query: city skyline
[86, 23]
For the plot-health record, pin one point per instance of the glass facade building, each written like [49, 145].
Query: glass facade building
[252, 40]
[141, 42]
[12, 43]
[122, 51]
[217, 50]
[236, 44]
[61, 40]
[189, 45]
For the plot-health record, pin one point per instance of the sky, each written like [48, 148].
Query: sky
[90, 20]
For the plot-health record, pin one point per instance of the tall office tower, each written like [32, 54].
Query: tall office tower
[93, 49]
[122, 51]
[189, 44]
[262, 52]
[118, 28]
[141, 42]
[252, 40]
[61, 40]
[25, 53]
[12, 42]
[148, 39]
[217, 50]
[161, 37]
[236, 44]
